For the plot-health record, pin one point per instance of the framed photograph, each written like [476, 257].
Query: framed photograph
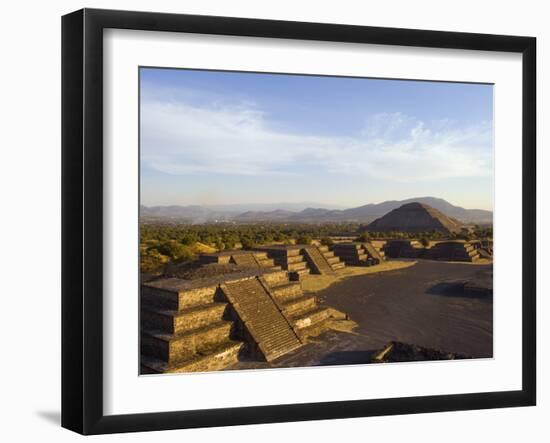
[269, 221]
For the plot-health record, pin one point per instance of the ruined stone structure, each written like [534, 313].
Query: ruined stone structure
[248, 259]
[404, 249]
[415, 217]
[301, 260]
[484, 248]
[264, 325]
[357, 254]
[375, 252]
[321, 260]
[289, 258]
[453, 251]
[379, 246]
[208, 324]
[446, 250]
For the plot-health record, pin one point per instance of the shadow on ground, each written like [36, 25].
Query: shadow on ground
[347, 358]
[456, 289]
[53, 417]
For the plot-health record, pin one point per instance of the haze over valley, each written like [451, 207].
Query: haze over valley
[306, 212]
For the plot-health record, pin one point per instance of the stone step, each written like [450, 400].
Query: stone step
[277, 277]
[297, 266]
[266, 262]
[246, 260]
[295, 259]
[174, 348]
[328, 254]
[177, 294]
[175, 322]
[293, 252]
[337, 266]
[309, 318]
[209, 359]
[314, 329]
[332, 260]
[323, 248]
[286, 290]
[299, 305]
[319, 321]
[298, 275]
[260, 255]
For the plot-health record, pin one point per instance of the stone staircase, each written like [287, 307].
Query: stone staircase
[333, 260]
[354, 254]
[316, 261]
[254, 259]
[208, 324]
[303, 311]
[375, 253]
[289, 258]
[267, 326]
[378, 246]
[186, 328]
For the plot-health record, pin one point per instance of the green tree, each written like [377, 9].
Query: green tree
[175, 250]
[304, 239]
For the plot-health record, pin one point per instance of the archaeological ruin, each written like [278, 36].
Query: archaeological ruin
[358, 253]
[254, 308]
[415, 217]
[238, 306]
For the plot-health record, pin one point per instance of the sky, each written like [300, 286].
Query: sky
[214, 137]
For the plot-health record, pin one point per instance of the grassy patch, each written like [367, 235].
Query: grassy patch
[315, 283]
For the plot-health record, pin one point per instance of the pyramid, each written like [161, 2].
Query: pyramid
[415, 217]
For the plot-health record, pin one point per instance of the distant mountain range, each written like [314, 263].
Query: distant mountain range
[306, 213]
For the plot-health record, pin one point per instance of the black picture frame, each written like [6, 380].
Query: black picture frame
[82, 219]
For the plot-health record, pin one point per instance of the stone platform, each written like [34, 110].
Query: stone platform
[208, 324]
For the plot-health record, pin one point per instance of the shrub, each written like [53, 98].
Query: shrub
[151, 261]
[188, 239]
[175, 250]
[327, 241]
[304, 239]
[247, 243]
[365, 236]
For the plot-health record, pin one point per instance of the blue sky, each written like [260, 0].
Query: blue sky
[223, 138]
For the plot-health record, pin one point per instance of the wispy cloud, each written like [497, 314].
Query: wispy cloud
[181, 137]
